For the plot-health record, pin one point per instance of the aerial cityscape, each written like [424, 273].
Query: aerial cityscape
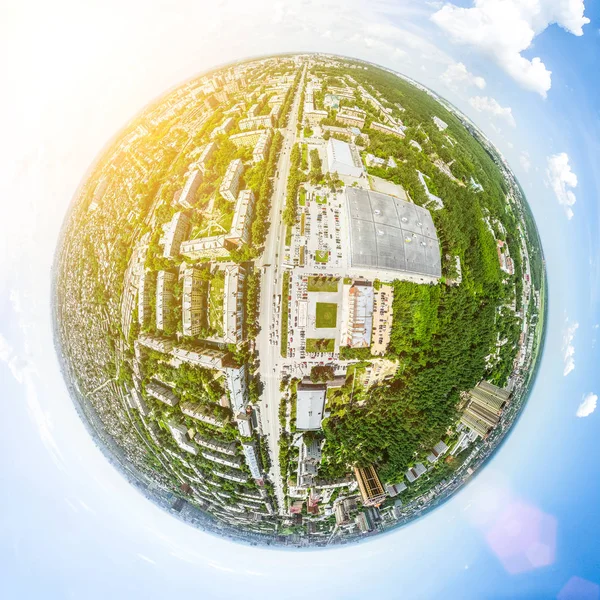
[299, 300]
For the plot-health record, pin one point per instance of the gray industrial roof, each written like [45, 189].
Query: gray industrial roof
[389, 234]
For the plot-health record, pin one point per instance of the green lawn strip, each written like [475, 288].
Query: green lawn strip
[322, 284]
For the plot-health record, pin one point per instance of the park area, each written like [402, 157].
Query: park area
[326, 317]
[322, 284]
[215, 303]
[320, 345]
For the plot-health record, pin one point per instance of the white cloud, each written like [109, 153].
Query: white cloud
[588, 405]
[503, 29]
[525, 161]
[457, 75]
[568, 348]
[491, 106]
[560, 178]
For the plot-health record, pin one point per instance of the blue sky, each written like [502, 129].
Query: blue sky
[71, 527]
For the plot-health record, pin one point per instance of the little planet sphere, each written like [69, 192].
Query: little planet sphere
[299, 300]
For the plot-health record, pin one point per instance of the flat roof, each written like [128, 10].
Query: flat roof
[310, 402]
[389, 234]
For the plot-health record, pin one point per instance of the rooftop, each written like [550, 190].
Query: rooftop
[390, 234]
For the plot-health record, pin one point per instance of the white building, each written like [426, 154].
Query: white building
[207, 152]
[343, 159]
[260, 122]
[247, 138]
[208, 358]
[262, 147]
[237, 388]
[180, 435]
[252, 459]
[222, 129]
[233, 304]
[186, 198]
[231, 181]
[441, 125]
[242, 218]
[310, 403]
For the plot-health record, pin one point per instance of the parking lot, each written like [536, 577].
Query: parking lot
[382, 319]
[317, 242]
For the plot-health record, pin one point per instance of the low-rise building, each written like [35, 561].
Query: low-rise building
[233, 303]
[393, 489]
[237, 387]
[155, 342]
[222, 129]
[360, 314]
[441, 125]
[209, 358]
[180, 436]
[201, 413]
[221, 459]
[205, 155]
[215, 445]
[244, 424]
[242, 218]
[144, 297]
[162, 393]
[314, 117]
[241, 478]
[259, 122]
[310, 403]
[251, 455]
[388, 129]
[261, 149]
[343, 158]
[194, 301]
[165, 280]
[415, 472]
[247, 138]
[139, 402]
[438, 450]
[353, 117]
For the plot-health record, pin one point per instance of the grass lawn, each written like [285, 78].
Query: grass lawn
[302, 197]
[326, 315]
[322, 256]
[302, 223]
[321, 199]
[320, 345]
[322, 284]
[215, 303]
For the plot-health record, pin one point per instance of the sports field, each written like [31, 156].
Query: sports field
[326, 315]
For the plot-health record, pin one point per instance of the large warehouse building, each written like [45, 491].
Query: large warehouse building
[343, 159]
[389, 237]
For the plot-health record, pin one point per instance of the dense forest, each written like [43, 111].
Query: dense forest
[442, 334]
